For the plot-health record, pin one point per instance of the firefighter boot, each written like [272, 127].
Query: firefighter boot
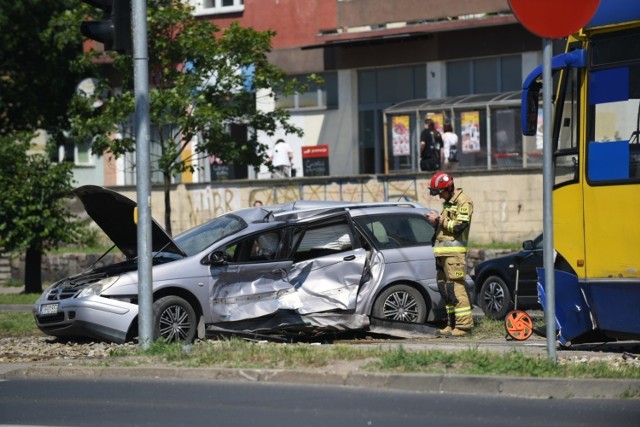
[443, 332]
[451, 322]
[456, 333]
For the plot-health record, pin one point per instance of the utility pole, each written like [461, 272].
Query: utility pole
[143, 181]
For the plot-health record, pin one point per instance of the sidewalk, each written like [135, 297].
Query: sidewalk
[13, 307]
[543, 388]
[11, 289]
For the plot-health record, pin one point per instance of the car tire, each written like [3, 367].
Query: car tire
[495, 298]
[401, 303]
[174, 320]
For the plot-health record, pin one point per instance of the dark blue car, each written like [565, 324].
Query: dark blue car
[495, 280]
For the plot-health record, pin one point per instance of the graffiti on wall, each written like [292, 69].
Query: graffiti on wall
[499, 214]
[201, 203]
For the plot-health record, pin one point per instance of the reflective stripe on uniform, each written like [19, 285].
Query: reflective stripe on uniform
[449, 250]
[463, 311]
[450, 243]
[450, 225]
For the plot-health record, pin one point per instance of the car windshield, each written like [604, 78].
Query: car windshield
[198, 239]
[537, 242]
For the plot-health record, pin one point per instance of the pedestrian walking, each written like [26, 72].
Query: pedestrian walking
[281, 159]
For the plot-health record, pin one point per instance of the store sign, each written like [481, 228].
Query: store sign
[315, 160]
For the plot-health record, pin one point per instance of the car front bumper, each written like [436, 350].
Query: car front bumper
[96, 317]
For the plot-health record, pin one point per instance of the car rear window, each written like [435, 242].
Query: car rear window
[396, 230]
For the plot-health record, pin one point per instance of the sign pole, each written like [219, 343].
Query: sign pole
[547, 202]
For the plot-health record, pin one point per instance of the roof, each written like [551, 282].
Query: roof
[462, 101]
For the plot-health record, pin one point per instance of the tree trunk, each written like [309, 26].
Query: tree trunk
[33, 271]
[167, 202]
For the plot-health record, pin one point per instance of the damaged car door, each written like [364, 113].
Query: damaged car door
[309, 267]
[249, 278]
[328, 265]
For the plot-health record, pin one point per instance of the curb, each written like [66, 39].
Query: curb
[16, 307]
[544, 388]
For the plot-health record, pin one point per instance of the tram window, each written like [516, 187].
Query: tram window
[614, 148]
[566, 153]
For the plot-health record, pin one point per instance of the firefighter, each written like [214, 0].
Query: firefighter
[450, 249]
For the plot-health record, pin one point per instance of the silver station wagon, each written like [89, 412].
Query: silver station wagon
[305, 266]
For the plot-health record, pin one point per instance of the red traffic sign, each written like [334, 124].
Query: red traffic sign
[554, 19]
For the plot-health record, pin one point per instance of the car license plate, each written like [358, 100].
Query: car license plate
[49, 309]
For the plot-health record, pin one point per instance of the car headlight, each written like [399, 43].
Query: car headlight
[98, 287]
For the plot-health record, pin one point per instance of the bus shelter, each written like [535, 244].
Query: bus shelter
[487, 125]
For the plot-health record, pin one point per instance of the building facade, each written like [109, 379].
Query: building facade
[386, 66]
[375, 55]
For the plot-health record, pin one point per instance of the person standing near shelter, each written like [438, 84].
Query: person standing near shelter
[449, 145]
[429, 151]
[450, 249]
[281, 159]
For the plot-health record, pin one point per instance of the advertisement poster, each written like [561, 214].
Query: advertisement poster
[470, 131]
[438, 120]
[400, 136]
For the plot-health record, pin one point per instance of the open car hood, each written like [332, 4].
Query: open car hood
[113, 213]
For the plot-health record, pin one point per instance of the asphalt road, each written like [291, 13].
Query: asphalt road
[157, 403]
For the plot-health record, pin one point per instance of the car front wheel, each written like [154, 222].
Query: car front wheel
[402, 303]
[174, 320]
[495, 298]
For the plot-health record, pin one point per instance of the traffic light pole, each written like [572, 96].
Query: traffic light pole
[113, 28]
[141, 93]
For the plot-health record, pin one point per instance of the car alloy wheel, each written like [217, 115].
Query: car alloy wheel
[401, 303]
[174, 320]
[495, 298]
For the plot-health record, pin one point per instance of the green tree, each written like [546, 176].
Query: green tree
[40, 65]
[34, 213]
[198, 89]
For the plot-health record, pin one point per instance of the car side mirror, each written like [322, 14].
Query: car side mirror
[527, 245]
[217, 258]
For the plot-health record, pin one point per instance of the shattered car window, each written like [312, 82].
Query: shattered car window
[324, 240]
[198, 239]
[396, 231]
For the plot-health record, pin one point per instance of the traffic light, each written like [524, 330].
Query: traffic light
[114, 29]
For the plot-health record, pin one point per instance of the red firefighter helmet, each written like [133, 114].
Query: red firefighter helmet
[440, 182]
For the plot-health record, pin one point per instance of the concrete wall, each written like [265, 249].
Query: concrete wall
[55, 267]
[507, 204]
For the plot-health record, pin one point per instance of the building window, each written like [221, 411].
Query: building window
[315, 96]
[484, 75]
[214, 7]
[79, 154]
